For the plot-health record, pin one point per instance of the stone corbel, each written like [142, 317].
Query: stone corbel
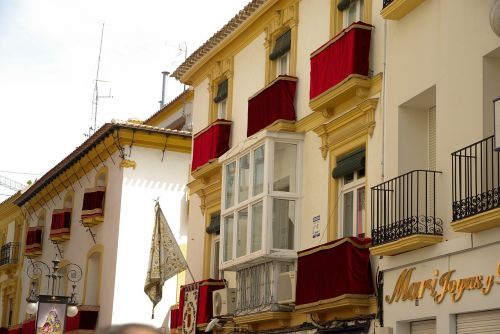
[126, 163]
[327, 112]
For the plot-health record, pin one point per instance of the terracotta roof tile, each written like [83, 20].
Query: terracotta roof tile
[218, 37]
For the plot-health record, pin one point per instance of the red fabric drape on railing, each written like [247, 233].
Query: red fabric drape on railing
[29, 327]
[174, 317]
[17, 329]
[334, 269]
[210, 143]
[34, 237]
[204, 301]
[93, 202]
[275, 101]
[61, 222]
[345, 54]
[86, 318]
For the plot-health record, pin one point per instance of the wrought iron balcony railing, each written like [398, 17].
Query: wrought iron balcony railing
[405, 206]
[9, 253]
[257, 287]
[476, 179]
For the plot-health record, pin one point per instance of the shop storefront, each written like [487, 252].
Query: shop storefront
[457, 291]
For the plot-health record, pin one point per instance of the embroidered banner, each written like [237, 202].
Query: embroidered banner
[190, 310]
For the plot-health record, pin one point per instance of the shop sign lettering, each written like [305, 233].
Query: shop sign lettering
[440, 285]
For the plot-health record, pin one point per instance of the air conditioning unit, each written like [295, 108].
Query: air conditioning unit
[223, 302]
[286, 287]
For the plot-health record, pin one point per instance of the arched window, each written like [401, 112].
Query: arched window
[68, 200]
[101, 178]
[93, 272]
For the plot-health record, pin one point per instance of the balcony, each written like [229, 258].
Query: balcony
[85, 319]
[272, 103]
[60, 226]
[397, 9]
[93, 206]
[257, 293]
[339, 68]
[202, 300]
[210, 143]
[403, 213]
[9, 255]
[33, 242]
[476, 187]
[342, 282]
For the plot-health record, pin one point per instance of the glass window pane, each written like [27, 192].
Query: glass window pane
[285, 161]
[283, 223]
[229, 186]
[241, 235]
[360, 211]
[228, 237]
[221, 109]
[258, 170]
[244, 172]
[348, 212]
[256, 227]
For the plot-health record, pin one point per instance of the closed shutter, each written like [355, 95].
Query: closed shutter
[479, 322]
[423, 327]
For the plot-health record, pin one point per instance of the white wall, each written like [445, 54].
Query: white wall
[196, 239]
[151, 179]
[249, 75]
[200, 106]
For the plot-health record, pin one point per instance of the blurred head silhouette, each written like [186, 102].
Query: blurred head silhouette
[129, 329]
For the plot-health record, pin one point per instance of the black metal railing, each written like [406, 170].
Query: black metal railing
[9, 253]
[405, 206]
[386, 3]
[476, 179]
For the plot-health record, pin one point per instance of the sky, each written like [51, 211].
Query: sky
[48, 63]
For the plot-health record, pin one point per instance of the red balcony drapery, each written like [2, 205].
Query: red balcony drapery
[273, 102]
[334, 269]
[174, 317]
[210, 143]
[86, 318]
[345, 54]
[17, 329]
[206, 287]
[61, 223]
[34, 241]
[93, 202]
[29, 327]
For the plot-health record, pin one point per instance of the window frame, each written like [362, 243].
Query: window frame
[337, 16]
[354, 187]
[268, 194]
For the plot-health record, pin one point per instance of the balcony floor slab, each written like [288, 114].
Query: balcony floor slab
[406, 244]
[480, 222]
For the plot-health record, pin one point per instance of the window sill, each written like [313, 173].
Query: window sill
[398, 9]
[257, 258]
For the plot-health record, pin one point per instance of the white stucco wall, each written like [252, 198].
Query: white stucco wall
[196, 239]
[200, 106]
[151, 179]
[249, 75]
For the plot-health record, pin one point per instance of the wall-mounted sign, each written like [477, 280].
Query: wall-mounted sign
[315, 230]
[51, 315]
[440, 285]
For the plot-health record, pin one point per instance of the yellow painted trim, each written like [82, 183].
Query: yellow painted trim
[283, 19]
[221, 70]
[406, 244]
[103, 171]
[337, 17]
[479, 222]
[398, 9]
[264, 320]
[348, 306]
[95, 249]
[207, 254]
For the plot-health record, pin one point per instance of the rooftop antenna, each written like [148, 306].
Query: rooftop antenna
[96, 96]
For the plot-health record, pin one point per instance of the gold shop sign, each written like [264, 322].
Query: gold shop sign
[440, 285]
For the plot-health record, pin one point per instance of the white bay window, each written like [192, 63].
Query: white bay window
[260, 196]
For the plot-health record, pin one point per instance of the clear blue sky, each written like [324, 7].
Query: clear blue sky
[48, 60]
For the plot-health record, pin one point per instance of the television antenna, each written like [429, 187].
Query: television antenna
[96, 96]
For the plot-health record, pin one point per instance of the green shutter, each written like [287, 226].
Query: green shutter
[349, 163]
[221, 92]
[282, 45]
[214, 227]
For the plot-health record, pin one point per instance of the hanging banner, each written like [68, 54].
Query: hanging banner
[190, 309]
